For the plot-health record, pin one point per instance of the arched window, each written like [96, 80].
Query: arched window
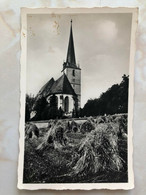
[61, 99]
[73, 72]
[54, 101]
[66, 104]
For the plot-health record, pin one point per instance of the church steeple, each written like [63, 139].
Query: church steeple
[70, 68]
[70, 59]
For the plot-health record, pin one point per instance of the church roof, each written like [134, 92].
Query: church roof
[62, 86]
[71, 52]
[46, 88]
[70, 59]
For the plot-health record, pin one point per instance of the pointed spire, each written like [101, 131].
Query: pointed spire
[71, 60]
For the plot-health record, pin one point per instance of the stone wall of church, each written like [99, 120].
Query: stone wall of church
[61, 102]
[74, 77]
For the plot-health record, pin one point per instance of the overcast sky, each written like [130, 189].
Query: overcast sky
[102, 48]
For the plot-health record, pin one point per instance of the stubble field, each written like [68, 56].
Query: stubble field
[88, 150]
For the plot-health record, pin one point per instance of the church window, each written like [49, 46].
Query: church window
[66, 106]
[73, 72]
[61, 99]
[54, 100]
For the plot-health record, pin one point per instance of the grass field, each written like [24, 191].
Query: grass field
[77, 151]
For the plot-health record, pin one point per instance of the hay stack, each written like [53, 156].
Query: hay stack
[100, 119]
[55, 138]
[87, 126]
[98, 151]
[31, 131]
[122, 122]
[74, 126]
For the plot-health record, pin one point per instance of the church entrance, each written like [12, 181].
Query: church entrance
[66, 104]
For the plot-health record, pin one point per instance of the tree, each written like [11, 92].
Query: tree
[51, 111]
[39, 106]
[28, 106]
[114, 100]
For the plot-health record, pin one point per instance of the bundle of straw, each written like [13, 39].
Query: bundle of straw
[55, 138]
[31, 130]
[87, 126]
[74, 126]
[99, 151]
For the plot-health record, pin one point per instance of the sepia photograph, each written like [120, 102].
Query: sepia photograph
[77, 74]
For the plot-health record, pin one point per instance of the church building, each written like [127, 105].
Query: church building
[67, 88]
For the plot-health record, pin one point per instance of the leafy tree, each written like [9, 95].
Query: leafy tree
[114, 100]
[51, 111]
[28, 106]
[39, 105]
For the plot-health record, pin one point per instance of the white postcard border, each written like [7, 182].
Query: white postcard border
[75, 186]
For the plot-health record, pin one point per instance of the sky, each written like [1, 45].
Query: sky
[102, 49]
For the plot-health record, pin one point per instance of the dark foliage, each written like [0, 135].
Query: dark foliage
[50, 111]
[39, 105]
[114, 100]
[45, 110]
[28, 106]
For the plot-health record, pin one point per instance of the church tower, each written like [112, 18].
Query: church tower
[71, 69]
